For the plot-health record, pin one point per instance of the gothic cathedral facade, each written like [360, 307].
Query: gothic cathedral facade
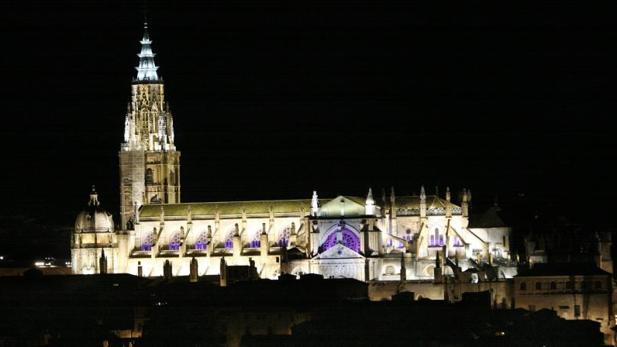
[402, 237]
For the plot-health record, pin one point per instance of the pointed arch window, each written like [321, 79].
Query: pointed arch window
[348, 238]
[201, 242]
[284, 237]
[148, 241]
[436, 239]
[174, 242]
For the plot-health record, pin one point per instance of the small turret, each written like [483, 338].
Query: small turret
[293, 235]
[314, 204]
[448, 204]
[167, 270]
[94, 198]
[223, 273]
[193, 275]
[237, 244]
[369, 205]
[244, 220]
[103, 262]
[422, 202]
[392, 203]
[209, 244]
[264, 246]
[465, 203]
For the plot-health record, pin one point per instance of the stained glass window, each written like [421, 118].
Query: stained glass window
[349, 239]
[201, 242]
[436, 240]
[284, 237]
[174, 242]
[229, 243]
[147, 242]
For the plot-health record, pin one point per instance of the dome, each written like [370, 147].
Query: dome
[94, 218]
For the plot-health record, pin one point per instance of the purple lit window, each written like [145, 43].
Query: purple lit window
[284, 237]
[148, 241]
[255, 244]
[349, 239]
[201, 242]
[229, 243]
[436, 240]
[174, 242]
[457, 242]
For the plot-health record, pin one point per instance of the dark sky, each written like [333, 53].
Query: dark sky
[273, 100]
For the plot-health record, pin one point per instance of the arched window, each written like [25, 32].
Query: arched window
[201, 242]
[148, 241]
[149, 176]
[229, 243]
[256, 240]
[436, 239]
[174, 242]
[348, 238]
[284, 237]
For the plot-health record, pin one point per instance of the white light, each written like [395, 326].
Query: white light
[1, 257]
[67, 263]
[39, 264]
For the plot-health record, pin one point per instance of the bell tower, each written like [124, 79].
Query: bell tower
[149, 161]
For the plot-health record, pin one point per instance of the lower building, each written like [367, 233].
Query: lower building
[574, 291]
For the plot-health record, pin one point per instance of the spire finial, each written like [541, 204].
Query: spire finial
[314, 204]
[146, 70]
[369, 205]
[94, 198]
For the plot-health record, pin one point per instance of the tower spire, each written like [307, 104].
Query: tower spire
[146, 70]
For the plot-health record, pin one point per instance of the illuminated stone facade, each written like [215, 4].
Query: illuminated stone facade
[149, 162]
[397, 237]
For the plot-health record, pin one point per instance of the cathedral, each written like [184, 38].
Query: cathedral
[390, 238]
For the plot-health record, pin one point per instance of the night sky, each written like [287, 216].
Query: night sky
[272, 100]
